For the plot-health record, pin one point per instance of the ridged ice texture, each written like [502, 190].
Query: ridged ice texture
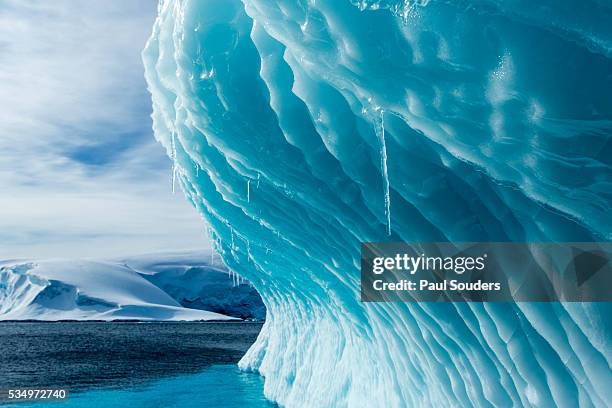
[300, 128]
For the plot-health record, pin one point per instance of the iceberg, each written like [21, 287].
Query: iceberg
[301, 128]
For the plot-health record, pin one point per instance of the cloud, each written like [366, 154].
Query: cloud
[80, 173]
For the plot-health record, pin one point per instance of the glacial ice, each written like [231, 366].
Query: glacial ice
[197, 283]
[168, 286]
[497, 123]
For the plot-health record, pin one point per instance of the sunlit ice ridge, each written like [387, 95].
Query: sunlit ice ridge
[301, 128]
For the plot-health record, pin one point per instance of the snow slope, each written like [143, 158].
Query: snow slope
[108, 290]
[301, 128]
[198, 280]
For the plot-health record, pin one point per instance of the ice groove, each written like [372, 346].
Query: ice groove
[497, 124]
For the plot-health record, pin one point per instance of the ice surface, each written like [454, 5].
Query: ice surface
[232, 387]
[133, 288]
[497, 121]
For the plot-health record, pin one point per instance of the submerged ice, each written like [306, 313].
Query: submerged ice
[394, 120]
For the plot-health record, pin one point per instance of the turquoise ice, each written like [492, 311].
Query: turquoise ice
[300, 128]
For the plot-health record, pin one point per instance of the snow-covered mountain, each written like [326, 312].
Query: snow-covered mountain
[197, 280]
[125, 289]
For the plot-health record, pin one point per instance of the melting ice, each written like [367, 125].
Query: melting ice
[497, 124]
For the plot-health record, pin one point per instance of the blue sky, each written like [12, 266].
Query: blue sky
[80, 172]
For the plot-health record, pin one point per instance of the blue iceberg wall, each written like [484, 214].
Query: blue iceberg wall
[300, 128]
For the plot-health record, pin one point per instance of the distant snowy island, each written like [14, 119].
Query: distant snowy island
[181, 286]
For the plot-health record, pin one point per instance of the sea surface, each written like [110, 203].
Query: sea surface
[131, 364]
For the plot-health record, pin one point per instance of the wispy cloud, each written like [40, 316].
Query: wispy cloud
[80, 173]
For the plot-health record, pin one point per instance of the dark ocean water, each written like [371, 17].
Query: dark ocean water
[131, 364]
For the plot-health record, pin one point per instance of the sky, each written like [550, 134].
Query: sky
[80, 172]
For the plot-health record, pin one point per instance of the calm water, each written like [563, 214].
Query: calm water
[132, 364]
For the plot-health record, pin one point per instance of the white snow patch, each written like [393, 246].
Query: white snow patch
[86, 290]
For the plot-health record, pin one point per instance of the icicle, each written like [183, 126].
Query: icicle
[173, 179]
[258, 178]
[211, 242]
[173, 148]
[384, 169]
[248, 190]
[212, 250]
